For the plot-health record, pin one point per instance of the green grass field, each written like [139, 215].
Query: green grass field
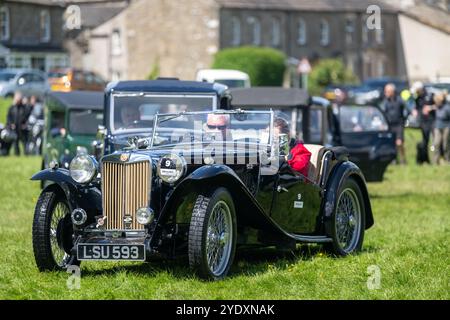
[409, 244]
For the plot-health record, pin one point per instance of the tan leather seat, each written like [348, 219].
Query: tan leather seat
[315, 161]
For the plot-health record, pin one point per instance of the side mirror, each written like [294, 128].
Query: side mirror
[21, 81]
[101, 132]
[98, 144]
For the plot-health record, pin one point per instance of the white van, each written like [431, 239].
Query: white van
[230, 78]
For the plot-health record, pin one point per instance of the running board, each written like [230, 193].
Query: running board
[313, 239]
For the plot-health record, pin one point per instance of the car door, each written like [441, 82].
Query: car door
[296, 202]
[365, 132]
[38, 84]
[24, 83]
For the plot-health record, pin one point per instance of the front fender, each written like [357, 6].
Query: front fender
[337, 177]
[77, 195]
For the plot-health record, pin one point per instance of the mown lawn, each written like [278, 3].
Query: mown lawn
[409, 244]
[4, 105]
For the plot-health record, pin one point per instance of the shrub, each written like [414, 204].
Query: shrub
[265, 66]
[329, 72]
[154, 73]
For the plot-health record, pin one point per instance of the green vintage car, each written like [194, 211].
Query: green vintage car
[71, 124]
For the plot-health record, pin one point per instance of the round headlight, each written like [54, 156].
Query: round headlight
[144, 215]
[82, 168]
[171, 168]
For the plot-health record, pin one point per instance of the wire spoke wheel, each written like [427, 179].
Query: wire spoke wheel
[56, 228]
[212, 235]
[348, 220]
[218, 240]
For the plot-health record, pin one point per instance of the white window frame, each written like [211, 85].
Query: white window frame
[256, 30]
[381, 67]
[379, 35]
[350, 30]
[45, 25]
[235, 31]
[116, 42]
[4, 11]
[302, 37]
[364, 31]
[276, 32]
[324, 28]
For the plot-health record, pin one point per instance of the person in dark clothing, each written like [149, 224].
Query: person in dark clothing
[17, 119]
[423, 111]
[441, 128]
[394, 109]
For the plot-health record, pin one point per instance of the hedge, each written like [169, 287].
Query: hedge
[265, 66]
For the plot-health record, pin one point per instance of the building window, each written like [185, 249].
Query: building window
[255, 26]
[381, 68]
[351, 63]
[276, 32]
[364, 31]
[45, 26]
[116, 76]
[349, 30]
[116, 43]
[324, 32]
[236, 31]
[379, 35]
[301, 28]
[16, 62]
[4, 23]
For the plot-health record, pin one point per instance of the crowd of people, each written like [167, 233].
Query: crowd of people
[433, 114]
[23, 115]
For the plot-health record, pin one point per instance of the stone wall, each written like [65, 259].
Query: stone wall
[179, 37]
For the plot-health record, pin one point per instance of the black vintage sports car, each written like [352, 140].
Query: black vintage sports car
[362, 129]
[199, 188]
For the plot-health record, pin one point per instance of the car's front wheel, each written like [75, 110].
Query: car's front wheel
[212, 235]
[347, 223]
[53, 232]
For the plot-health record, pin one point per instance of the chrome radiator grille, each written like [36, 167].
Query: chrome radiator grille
[125, 188]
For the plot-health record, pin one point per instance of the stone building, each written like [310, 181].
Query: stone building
[99, 43]
[31, 34]
[176, 38]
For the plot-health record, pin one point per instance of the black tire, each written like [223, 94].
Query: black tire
[198, 234]
[52, 202]
[349, 190]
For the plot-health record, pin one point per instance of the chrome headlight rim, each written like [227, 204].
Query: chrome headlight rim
[83, 168]
[180, 168]
[145, 215]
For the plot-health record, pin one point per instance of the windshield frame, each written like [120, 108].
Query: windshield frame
[110, 118]
[239, 111]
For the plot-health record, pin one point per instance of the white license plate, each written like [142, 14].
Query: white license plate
[131, 252]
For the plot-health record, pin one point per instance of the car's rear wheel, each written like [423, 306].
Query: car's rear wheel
[53, 232]
[347, 223]
[212, 235]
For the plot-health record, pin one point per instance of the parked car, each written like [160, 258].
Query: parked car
[188, 191]
[372, 90]
[132, 105]
[362, 129]
[28, 81]
[437, 87]
[69, 79]
[70, 125]
[333, 91]
[230, 78]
